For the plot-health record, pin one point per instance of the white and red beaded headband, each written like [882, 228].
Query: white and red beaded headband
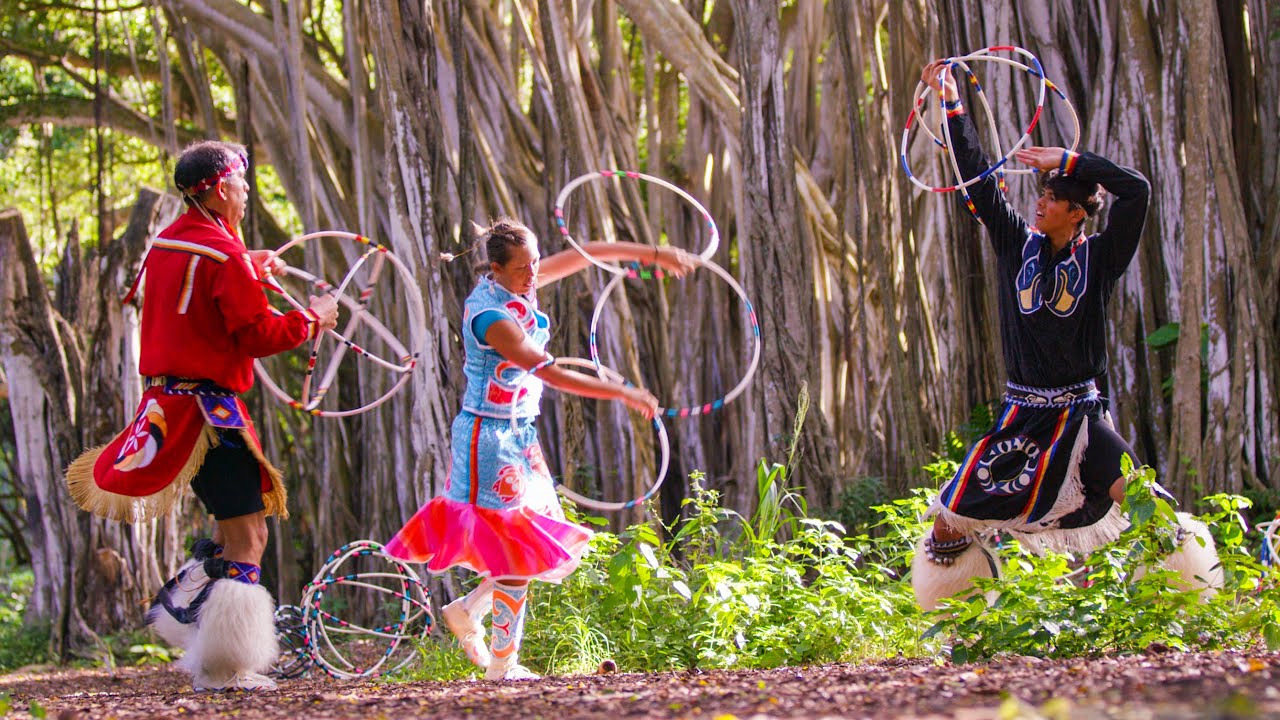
[238, 164]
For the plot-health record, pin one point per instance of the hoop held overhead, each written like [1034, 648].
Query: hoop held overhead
[1000, 167]
[712, 244]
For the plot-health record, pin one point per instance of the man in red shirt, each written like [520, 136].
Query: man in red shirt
[205, 317]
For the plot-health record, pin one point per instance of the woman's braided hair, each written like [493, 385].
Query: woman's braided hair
[503, 235]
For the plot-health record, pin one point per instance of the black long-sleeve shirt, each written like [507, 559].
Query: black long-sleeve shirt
[1053, 307]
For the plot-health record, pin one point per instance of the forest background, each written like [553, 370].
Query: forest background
[408, 121]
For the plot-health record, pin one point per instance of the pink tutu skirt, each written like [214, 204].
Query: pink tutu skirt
[516, 544]
[499, 514]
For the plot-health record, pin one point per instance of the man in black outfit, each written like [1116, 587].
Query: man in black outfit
[1049, 470]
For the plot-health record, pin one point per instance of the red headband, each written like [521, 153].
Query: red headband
[237, 165]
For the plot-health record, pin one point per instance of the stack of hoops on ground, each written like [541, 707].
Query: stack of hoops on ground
[349, 637]
[324, 629]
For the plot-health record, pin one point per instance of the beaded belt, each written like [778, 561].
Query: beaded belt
[187, 386]
[1051, 397]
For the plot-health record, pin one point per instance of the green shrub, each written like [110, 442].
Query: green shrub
[856, 503]
[20, 644]
[779, 588]
[1048, 607]
[785, 588]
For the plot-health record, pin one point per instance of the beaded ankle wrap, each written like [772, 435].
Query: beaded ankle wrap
[247, 573]
[218, 569]
[945, 553]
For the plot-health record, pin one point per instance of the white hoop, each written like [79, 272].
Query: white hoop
[663, 443]
[561, 223]
[406, 360]
[699, 408]
[1270, 541]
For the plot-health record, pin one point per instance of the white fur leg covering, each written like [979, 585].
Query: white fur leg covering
[933, 581]
[236, 632]
[171, 631]
[187, 585]
[1196, 563]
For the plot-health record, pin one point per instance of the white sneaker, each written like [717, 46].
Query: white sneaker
[509, 670]
[470, 634]
[243, 680]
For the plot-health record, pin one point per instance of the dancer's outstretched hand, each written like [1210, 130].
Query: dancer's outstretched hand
[1043, 159]
[929, 76]
[640, 400]
[676, 261]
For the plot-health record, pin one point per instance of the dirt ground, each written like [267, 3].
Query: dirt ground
[1152, 686]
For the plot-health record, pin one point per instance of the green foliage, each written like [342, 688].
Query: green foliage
[149, 653]
[856, 503]
[1264, 504]
[441, 660]
[1163, 336]
[785, 588]
[1119, 599]
[20, 644]
[781, 588]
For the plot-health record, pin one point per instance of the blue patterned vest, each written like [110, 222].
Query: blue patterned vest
[492, 380]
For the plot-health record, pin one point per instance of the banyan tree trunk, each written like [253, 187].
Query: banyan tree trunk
[73, 385]
[777, 254]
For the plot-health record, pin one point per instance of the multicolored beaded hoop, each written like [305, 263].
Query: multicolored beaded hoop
[405, 362]
[984, 54]
[636, 270]
[664, 444]
[1000, 167]
[325, 630]
[921, 95]
[294, 660]
[712, 244]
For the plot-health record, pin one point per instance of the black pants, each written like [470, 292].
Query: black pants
[229, 483]
[1099, 469]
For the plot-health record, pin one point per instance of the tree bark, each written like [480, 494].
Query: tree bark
[81, 387]
[777, 261]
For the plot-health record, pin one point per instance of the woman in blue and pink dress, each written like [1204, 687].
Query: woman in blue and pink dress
[499, 515]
